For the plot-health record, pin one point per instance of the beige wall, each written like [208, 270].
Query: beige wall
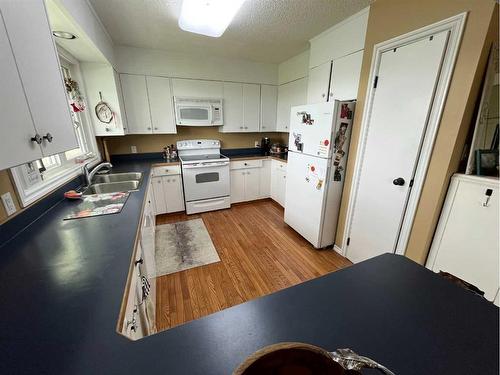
[156, 142]
[390, 18]
[6, 185]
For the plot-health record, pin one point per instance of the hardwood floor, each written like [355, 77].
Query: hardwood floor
[259, 255]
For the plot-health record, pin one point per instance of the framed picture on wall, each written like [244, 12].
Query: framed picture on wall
[487, 162]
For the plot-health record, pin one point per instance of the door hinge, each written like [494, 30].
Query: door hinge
[375, 82]
[411, 182]
[348, 240]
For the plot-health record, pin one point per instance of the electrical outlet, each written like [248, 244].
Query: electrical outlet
[133, 149]
[257, 144]
[8, 203]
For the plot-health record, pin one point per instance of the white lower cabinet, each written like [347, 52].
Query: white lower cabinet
[139, 318]
[466, 242]
[258, 179]
[278, 181]
[245, 180]
[167, 189]
[265, 179]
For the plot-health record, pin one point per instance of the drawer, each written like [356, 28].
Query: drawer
[166, 170]
[243, 164]
[280, 165]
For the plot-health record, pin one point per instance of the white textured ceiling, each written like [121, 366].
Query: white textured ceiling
[263, 30]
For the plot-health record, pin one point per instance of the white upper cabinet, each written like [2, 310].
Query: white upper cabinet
[161, 105]
[317, 83]
[251, 107]
[148, 104]
[345, 77]
[103, 84]
[17, 125]
[196, 88]
[342, 39]
[241, 107]
[289, 95]
[135, 96]
[28, 32]
[268, 107]
[233, 108]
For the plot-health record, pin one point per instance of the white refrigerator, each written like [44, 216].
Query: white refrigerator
[317, 156]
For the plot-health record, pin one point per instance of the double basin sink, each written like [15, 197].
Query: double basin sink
[114, 182]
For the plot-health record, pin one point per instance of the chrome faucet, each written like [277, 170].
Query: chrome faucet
[90, 174]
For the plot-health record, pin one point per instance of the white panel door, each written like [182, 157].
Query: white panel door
[290, 94]
[38, 64]
[135, 96]
[312, 136]
[268, 107]
[317, 83]
[233, 108]
[252, 184]
[341, 40]
[401, 104]
[196, 88]
[161, 105]
[17, 127]
[172, 187]
[251, 107]
[345, 77]
[281, 187]
[159, 196]
[237, 185]
[265, 179]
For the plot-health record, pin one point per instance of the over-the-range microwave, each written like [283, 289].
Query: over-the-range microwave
[198, 111]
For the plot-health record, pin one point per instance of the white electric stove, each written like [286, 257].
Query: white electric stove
[205, 175]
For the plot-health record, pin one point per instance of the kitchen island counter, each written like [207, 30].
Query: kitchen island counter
[63, 283]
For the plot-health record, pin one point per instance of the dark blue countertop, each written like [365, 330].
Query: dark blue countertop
[62, 284]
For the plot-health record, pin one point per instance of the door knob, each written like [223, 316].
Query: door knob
[399, 181]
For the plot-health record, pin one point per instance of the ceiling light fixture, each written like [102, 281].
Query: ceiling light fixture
[63, 35]
[208, 17]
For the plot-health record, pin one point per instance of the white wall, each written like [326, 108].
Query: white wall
[294, 68]
[170, 64]
[83, 15]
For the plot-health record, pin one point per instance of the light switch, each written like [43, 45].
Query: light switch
[8, 203]
[133, 149]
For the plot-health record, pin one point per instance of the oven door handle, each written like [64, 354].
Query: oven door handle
[196, 166]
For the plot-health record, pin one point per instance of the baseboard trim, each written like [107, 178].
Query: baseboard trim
[338, 250]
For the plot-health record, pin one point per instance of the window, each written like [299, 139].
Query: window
[37, 178]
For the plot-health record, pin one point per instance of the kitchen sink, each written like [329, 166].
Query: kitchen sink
[112, 187]
[117, 177]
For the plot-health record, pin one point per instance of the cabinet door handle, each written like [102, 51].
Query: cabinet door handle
[241, 127]
[48, 137]
[156, 128]
[37, 139]
[488, 194]
[323, 95]
[149, 127]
